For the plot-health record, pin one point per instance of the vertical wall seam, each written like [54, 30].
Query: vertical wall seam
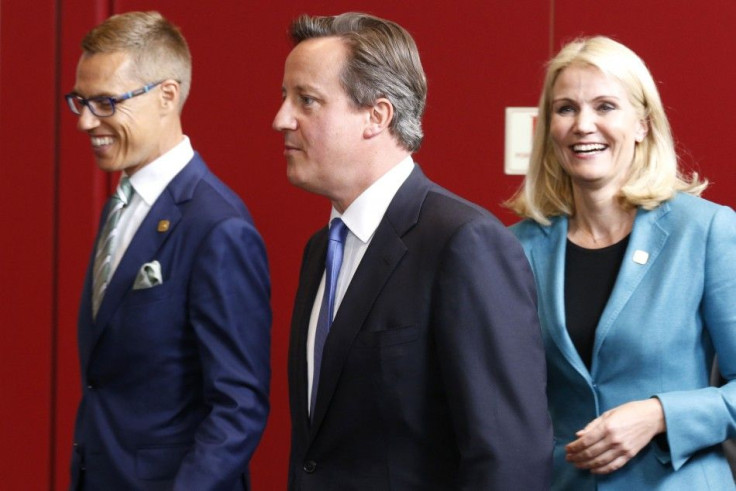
[56, 253]
[551, 29]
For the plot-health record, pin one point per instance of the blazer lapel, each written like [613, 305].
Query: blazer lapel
[380, 260]
[647, 240]
[549, 264]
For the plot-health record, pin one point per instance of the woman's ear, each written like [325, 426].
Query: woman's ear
[641, 130]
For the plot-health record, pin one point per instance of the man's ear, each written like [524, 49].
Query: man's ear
[170, 93]
[381, 113]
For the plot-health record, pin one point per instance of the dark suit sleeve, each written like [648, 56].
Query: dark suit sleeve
[229, 305]
[492, 360]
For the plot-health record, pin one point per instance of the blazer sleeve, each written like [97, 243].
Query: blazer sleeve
[701, 418]
[229, 305]
[492, 359]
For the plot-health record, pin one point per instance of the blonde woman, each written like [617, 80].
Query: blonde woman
[637, 283]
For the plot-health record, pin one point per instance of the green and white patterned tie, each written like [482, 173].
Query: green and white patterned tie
[108, 241]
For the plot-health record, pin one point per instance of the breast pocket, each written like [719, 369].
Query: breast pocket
[152, 294]
[155, 315]
[388, 337]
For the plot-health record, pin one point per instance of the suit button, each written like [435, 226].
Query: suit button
[92, 385]
[310, 466]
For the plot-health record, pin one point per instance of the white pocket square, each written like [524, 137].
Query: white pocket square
[148, 276]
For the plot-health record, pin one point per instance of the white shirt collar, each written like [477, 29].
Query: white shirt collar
[364, 214]
[151, 179]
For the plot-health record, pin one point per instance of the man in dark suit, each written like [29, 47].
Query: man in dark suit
[429, 372]
[174, 322]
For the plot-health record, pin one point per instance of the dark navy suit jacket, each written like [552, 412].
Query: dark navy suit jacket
[175, 377]
[433, 373]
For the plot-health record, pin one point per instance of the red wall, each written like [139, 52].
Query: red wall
[479, 57]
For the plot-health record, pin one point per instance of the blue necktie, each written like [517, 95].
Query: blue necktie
[335, 246]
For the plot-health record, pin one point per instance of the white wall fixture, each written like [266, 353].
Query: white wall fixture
[520, 123]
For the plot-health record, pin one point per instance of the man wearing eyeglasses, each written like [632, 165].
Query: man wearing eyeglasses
[174, 322]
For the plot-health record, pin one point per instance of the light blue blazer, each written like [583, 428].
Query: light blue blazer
[672, 308]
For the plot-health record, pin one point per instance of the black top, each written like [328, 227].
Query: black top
[589, 278]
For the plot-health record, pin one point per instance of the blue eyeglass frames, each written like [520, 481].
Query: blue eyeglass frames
[103, 106]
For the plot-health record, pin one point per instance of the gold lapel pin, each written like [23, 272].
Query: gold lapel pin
[163, 225]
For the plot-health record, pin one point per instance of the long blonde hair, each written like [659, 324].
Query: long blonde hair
[654, 175]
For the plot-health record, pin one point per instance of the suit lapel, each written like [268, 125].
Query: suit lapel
[648, 238]
[141, 250]
[311, 275]
[380, 260]
[88, 332]
[147, 241]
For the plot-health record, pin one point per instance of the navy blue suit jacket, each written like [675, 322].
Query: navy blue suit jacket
[175, 377]
[433, 373]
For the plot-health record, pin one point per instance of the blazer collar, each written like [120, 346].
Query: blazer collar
[381, 258]
[548, 261]
[648, 237]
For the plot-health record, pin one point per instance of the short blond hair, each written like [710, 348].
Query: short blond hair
[654, 176]
[156, 46]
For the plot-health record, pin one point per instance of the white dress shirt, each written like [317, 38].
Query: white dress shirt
[148, 183]
[362, 218]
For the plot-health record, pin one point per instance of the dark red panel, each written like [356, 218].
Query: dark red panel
[82, 190]
[27, 35]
